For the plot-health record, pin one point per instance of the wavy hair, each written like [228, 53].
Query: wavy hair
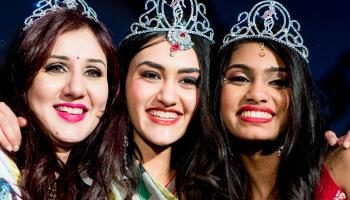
[198, 154]
[98, 155]
[303, 135]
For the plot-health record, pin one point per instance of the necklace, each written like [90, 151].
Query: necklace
[52, 191]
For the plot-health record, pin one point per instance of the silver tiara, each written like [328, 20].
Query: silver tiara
[169, 16]
[268, 19]
[45, 6]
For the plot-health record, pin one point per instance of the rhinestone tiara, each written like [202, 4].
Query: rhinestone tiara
[268, 19]
[170, 16]
[45, 6]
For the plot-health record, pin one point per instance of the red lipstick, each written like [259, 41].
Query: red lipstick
[165, 117]
[255, 114]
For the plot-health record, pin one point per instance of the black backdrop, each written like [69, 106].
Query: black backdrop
[325, 26]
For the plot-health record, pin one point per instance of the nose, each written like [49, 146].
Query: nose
[75, 87]
[258, 93]
[167, 94]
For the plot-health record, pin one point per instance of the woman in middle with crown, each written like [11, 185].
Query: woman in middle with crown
[164, 63]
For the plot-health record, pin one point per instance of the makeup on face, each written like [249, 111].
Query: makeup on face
[69, 93]
[162, 92]
[255, 93]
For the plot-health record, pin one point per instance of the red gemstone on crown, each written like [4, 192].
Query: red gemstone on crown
[182, 34]
[175, 47]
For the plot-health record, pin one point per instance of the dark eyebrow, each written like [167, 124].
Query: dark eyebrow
[89, 60]
[246, 67]
[240, 66]
[277, 69]
[59, 57]
[162, 68]
[189, 70]
[152, 64]
[96, 61]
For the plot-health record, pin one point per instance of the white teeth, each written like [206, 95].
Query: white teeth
[257, 114]
[74, 111]
[162, 114]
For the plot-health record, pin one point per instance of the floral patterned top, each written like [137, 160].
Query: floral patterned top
[327, 189]
[9, 177]
[148, 188]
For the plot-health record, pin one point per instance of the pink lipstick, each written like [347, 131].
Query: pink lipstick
[71, 112]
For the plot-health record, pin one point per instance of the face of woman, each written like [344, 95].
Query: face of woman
[162, 93]
[70, 92]
[255, 95]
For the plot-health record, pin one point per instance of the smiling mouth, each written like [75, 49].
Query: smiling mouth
[163, 115]
[71, 114]
[69, 110]
[256, 117]
[256, 114]
[165, 118]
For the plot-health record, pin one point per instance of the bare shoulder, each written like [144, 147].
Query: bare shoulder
[338, 163]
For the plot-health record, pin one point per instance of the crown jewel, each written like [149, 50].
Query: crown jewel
[45, 6]
[170, 16]
[268, 19]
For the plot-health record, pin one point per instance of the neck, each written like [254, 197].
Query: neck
[156, 160]
[261, 162]
[262, 172]
[63, 154]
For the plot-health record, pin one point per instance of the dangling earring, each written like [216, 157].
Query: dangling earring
[125, 157]
[279, 150]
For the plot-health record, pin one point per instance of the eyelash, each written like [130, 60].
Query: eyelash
[240, 80]
[60, 68]
[93, 72]
[150, 75]
[280, 83]
[55, 68]
[237, 79]
[189, 80]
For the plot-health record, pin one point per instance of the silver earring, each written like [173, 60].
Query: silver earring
[125, 145]
[279, 150]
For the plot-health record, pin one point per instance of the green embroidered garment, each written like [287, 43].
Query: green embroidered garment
[149, 188]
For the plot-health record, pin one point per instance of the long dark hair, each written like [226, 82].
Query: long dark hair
[98, 155]
[197, 155]
[303, 135]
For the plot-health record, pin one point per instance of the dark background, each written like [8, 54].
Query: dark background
[325, 26]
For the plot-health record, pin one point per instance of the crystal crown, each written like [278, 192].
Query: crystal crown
[170, 16]
[45, 6]
[268, 19]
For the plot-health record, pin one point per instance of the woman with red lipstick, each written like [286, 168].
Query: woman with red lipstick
[265, 102]
[61, 72]
[165, 79]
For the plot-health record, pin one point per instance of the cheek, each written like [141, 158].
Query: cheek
[191, 99]
[99, 93]
[41, 92]
[229, 98]
[283, 103]
[135, 93]
[225, 104]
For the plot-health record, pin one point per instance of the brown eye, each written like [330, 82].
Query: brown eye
[189, 80]
[237, 80]
[55, 68]
[150, 75]
[93, 72]
[280, 83]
